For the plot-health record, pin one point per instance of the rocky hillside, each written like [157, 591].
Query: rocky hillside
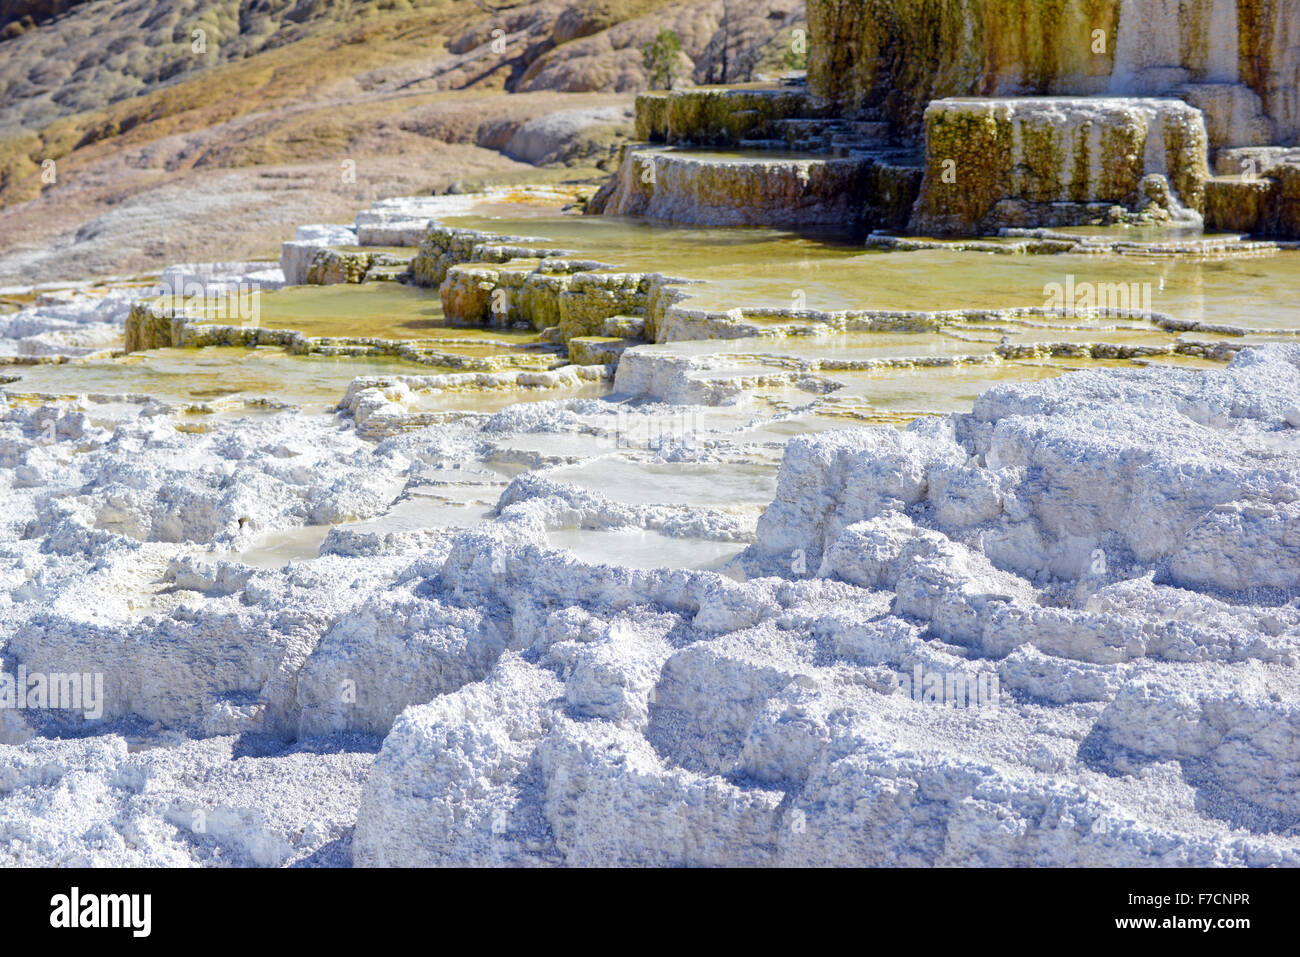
[152, 130]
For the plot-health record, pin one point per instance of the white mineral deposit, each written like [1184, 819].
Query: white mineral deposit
[881, 455]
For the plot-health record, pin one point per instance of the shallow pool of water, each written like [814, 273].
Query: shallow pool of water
[640, 548]
[381, 310]
[662, 483]
[185, 376]
[755, 268]
[281, 547]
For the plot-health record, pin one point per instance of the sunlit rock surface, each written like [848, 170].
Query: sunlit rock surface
[66, 322]
[594, 545]
[752, 723]
[481, 532]
[1257, 191]
[992, 163]
[296, 256]
[542, 636]
[895, 56]
[968, 83]
[719, 189]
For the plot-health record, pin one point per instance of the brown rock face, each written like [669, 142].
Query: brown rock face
[895, 56]
[702, 190]
[1234, 204]
[149, 329]
[992, 163]
[1257, 191]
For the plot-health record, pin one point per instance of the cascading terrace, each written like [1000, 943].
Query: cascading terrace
[670, 520]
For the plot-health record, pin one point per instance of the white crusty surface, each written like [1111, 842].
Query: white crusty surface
[435, 681]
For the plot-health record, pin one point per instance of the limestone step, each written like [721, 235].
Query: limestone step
[807, 146]
[1264, 199]
[1240, 204]
[848, 141]
[764, 145]
[599, 350]
[1234, 113]
[1253, 160]
[756, 188]
[624, 327]
[808, 124]
[809, 133]
[873, 131]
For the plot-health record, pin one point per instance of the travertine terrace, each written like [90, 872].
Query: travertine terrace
[897, 465]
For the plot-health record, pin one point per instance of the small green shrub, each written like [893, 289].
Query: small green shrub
[660, 59]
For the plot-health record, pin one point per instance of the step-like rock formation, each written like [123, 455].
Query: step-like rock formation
[842, 173]
[1057, 628]
[1079, 103]
[1257, 191]
[993, 163]
[898, 55]
[1034, 548]
[757, 188]
[721, 116]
